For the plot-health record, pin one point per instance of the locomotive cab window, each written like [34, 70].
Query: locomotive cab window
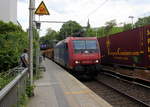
[91, 44]
[79, 44]
[85, 46]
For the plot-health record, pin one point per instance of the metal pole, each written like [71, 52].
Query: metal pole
[31, 41]
[37, 50]
[132, 20]
[38, 54]
[38, 62]
[132, 23]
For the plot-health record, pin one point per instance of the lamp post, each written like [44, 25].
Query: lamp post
[132, 20]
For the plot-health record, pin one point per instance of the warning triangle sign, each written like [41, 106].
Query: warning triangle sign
[42, 10]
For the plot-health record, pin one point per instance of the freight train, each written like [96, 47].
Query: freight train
[129, 49]
[49, 53]
[80, 55]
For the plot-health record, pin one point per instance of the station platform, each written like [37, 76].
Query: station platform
[58, 88]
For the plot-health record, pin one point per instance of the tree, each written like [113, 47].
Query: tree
[109, 29]
[12, 45]
[49, 38]
[69, 28]
[101, 32]
[90, 32]
[115, 30]
[9, 27]
[142, 21]
[109, 25]
[127, 27]
[51, 34]
[12, 42]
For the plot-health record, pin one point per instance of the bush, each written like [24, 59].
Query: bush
[12, 42]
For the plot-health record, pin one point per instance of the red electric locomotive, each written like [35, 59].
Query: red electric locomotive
[79, 54]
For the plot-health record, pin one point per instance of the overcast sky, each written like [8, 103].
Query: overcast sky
[97, 11]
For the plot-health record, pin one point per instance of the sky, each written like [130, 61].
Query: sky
[97, 11]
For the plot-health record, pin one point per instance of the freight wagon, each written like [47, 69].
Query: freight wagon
[129, 49]
[49, 53]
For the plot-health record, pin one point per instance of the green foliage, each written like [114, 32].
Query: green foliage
[12, 42]
[50, 37]
[143, 21]
[109, 29]
[90, 32]
[115, 30]
[29, 89]
[11, 46]
[109, 26]
[102, 31]
[69, 28]
[127, 27]
[6, 77]
[22, 101]
[9, 27]
[2, 81]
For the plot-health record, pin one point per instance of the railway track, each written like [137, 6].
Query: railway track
[119, 92]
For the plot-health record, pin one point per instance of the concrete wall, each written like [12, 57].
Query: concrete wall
[8, 10]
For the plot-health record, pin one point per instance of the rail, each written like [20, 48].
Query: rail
[11, 93]
[133, 90]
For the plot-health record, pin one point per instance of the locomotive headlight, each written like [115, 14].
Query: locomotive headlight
[96, 61]
[77, 62]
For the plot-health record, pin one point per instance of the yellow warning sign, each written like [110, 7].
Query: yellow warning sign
[42, 10]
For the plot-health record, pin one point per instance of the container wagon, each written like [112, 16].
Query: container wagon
[129, 49]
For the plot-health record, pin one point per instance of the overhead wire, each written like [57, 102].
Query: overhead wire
[97, 8]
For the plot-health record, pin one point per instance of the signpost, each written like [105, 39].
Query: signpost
[41, 10]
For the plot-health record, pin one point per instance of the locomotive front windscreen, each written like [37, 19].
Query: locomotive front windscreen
[81, 46]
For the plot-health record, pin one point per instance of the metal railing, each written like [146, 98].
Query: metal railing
[11, 93]
[8, 76]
